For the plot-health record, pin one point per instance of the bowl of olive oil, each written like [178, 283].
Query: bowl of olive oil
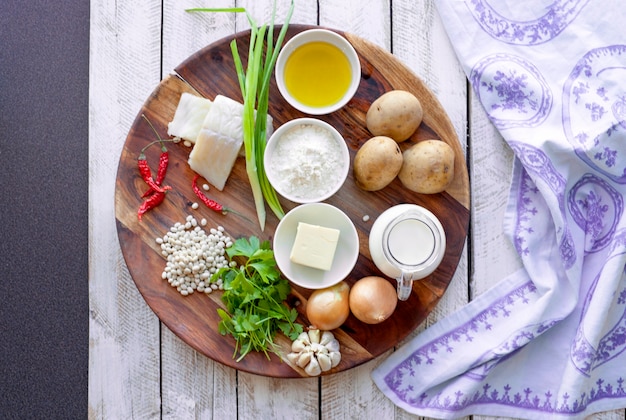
[318, 71]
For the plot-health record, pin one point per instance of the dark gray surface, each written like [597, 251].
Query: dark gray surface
[44, 309]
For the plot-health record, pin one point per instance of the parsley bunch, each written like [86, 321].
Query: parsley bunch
[254, 294]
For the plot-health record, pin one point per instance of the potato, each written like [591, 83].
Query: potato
[428, 167]
[395, 114]
[377, 163]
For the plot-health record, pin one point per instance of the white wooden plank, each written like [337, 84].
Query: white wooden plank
[267, 398]
[124, 68]
[184, 33]
[369, 19]
[352, 394]
[491, 160]
[305, 12]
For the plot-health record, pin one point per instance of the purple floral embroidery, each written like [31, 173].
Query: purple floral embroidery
[525, 398]
[597, 208]
[584, 354]
[512, 90]
[507, 349]
[453, 341]
[619, 110]
[612, 344]
[526, 211]
[543, 29]
[539, 165]
[594, 110]
[400, 382]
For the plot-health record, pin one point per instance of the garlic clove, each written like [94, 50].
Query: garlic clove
[333, 345]
[327, 337]
[304, 337]
[298, 346]
[314, 335]
[335, 358]
[313, 368]
[305, 358]
[293, 357]
[324, 361]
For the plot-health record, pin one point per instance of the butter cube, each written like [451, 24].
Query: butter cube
[314, 246]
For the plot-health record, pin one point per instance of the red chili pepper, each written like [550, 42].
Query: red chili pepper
[163, 160]
[163, 163]
[146, 174]
[151, 202]
[212, 204]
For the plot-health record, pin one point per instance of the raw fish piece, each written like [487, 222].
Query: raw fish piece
[220, 141]
[213, 156]
[189, 116]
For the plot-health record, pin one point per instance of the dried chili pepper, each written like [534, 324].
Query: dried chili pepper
[156, 193]
[163, 159]
[151, 202]
[146, 174]
[163, 164]
[212, 204]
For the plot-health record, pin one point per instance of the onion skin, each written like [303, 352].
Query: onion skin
[329, 308]
[373, 299]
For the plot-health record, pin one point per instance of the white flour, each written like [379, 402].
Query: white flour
[307, 161]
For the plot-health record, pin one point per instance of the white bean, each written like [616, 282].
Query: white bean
[192, 256]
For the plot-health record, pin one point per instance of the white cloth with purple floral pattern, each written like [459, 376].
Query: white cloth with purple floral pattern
[550, 340]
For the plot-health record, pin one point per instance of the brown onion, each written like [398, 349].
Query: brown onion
[373, 299]
[328, 308]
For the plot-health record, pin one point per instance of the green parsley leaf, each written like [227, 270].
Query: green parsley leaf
[254, 295]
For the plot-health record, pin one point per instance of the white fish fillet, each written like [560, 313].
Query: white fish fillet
[189, 116]
[219, 141]
[213, 156]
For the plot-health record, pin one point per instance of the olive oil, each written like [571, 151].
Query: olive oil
[317, 74]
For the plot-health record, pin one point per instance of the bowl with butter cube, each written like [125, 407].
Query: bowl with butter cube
[316, 245]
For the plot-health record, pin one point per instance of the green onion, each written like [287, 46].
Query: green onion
[254, 83]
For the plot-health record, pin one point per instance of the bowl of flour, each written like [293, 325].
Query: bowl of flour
[306, 160]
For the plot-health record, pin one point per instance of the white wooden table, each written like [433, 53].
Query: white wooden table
[138, 368]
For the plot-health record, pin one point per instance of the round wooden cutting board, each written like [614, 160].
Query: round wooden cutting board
[194, 318]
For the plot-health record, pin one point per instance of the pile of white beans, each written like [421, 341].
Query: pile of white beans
[193, 256]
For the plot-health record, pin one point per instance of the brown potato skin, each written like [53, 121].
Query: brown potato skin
[395, 114]
[377, 163]
[428, 167]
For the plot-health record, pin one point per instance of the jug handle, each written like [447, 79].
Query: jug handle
[405, 286]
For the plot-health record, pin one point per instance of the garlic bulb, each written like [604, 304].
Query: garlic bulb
[315, 351]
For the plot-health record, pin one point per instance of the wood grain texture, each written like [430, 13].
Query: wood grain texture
[211, 72]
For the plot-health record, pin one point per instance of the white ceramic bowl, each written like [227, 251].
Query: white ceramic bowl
[306, 160]
[346, 254]
[318, 35]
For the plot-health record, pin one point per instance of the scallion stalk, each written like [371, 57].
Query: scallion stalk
[254, 83]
